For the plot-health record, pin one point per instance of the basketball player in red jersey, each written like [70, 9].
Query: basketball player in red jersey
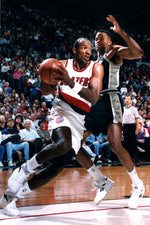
[80, 87]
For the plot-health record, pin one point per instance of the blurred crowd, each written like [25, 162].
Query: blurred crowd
[26, 42]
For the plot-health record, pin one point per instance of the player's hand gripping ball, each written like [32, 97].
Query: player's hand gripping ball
[49, 71]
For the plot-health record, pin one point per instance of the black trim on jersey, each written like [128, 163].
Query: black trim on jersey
[76, 109]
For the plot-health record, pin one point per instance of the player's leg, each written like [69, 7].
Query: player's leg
[61, 143]
[102, 183]
[15, 183]
[114, 138]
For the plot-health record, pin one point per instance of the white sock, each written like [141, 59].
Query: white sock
[95, 173]
[32, 163]
[134, 176]
[24, 190]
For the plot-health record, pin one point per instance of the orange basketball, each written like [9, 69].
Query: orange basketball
[49, 72]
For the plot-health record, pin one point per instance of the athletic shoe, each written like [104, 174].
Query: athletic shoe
[11, 209]
[103, 186]
[1, 164]
[136, 196]
[18, 177]
[8, 203]
[11, 164]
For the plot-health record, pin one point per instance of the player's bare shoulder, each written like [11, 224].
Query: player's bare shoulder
[98, 69]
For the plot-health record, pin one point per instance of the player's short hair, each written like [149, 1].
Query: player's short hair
[109, 33]
[77, 42]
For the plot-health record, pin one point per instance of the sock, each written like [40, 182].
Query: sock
[24, 190]
[95, 173]
[134, 176]
[32, 163]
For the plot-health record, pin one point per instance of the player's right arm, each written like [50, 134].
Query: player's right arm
[47, 88]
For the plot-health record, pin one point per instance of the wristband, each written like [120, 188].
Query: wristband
[77, 87]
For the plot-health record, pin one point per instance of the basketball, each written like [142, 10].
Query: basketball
[49, 71]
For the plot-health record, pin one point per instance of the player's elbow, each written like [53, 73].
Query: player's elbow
[95, 99]
[140, 53]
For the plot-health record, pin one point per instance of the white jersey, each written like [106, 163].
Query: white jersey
[83, 77]
[70, 108]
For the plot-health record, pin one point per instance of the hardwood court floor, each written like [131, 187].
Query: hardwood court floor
[72, 192]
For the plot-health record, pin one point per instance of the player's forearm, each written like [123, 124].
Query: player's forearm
[135, 49]
[47, 88]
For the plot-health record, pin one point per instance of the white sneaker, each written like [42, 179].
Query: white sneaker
[136, 196]
[18, 177]
[11, 209]
[8, 203]
[1, 164]
[103, 186]
[11, 164]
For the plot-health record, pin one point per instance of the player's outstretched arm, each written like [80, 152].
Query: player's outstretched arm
[133, 51]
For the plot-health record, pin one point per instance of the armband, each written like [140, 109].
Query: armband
[77, 87]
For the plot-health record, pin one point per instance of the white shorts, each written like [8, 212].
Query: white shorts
[63, 115]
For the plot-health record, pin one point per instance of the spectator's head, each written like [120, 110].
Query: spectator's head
[18, 119]
[25, 115]
[7, 115]
[15, 111]
[3, 111]
[27, 124]
[2, 119]
[10, 123]
[41, 124]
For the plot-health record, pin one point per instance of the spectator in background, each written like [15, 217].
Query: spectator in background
[19, 122]
[2, 122]
[32, 137]
[2, 151]
[143, 142]
[25, 115]
[34, 121]
[17, 80]
[43, 133]
[3, 110]
[10, 146]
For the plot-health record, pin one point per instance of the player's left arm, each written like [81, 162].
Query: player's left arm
[92, 92]
[133, 50]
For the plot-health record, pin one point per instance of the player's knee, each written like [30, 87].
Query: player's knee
[63, 147]
[115, 146]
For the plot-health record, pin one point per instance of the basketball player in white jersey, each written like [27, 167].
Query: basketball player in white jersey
[80, 87]
[106, 115]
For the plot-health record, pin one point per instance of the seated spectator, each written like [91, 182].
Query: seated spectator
[10, 146]
[19, 122]
[7, 115]
[143, 129]
[2, 122]
[142, 141]
[25, 115]
[44, 134]
[3, 110]
[32, 137]
[34, 121]
[98, 144]
[15, 112]
[2, 151]
[92, 155]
